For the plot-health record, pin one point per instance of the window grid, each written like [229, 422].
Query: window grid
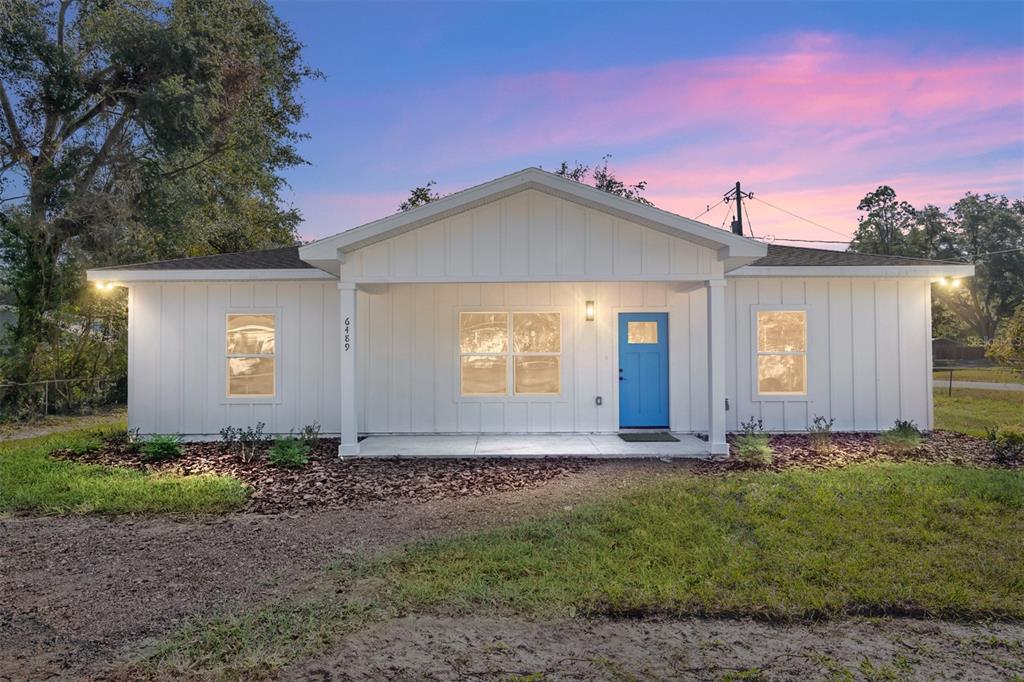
[265, 355]
[510, 354]
[801, 353]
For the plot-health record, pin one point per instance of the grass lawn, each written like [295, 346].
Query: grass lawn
[971, 411]
[873, 539]
[32, 481]
[998, 375]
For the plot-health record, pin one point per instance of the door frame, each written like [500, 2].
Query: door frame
[616, 312]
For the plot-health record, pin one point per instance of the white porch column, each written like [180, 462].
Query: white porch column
[347, 346]
[715, 289]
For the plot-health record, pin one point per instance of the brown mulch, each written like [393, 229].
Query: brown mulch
[938, 447]
[330, 482]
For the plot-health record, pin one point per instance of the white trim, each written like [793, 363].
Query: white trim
[902, 271]
[332, 248]
[128, 275]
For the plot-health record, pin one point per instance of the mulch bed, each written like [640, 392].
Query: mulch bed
[938, 447]
[329, 482]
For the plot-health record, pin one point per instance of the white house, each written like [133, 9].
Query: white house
[529, 304]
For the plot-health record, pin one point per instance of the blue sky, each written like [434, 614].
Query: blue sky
[810, 104]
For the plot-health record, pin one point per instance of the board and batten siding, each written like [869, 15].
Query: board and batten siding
[869, 352]
[869, 355]
[177, 356]
[531, 236]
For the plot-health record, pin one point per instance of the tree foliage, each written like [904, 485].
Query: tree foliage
[420, 196]
[604, 179]
[1008, 346]
[133, 130]
[986, 230]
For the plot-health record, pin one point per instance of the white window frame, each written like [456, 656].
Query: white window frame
[757, 353]
[510, 354]
[223, 340]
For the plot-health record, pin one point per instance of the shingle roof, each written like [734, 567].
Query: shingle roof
[798, 256]
[284, 258]
[287, 258]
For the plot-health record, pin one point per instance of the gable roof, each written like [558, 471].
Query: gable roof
[325, 253]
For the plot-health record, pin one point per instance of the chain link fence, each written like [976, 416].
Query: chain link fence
[60, 396]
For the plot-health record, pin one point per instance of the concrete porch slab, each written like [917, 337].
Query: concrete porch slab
[527, 445]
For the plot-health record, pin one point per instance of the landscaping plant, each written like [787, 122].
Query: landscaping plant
[1007, 444]
[310, 434]
[288, 453]
[820, 431]
[903, 437]
[244, 442]
[753, 446]
[161, 448]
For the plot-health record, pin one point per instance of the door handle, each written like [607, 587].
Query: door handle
[621, 378]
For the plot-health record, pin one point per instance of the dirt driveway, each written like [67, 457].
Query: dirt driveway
[77, 591]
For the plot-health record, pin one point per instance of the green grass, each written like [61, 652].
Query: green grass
[32, 481]
[972, 411]
[872, 539]
[999, 375]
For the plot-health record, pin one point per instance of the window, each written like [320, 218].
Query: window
[641, 332]
[529, 344]
[781, 352]
[250, 355]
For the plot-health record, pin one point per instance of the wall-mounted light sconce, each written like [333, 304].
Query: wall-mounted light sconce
[105, 286]
[951, 282]
[590, 311]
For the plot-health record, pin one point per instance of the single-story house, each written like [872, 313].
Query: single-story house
[530, 304]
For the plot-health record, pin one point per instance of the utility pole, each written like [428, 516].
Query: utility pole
[738, 194]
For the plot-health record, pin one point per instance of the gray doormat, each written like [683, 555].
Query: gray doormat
[649, 437]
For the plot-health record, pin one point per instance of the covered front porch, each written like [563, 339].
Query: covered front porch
[608, 446]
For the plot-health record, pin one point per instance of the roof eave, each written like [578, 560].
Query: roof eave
[926, 270]
[127, 276]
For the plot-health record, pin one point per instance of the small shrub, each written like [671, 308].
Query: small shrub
[244, 442]
[903, 437]
[126, 441]
[1007, 444]
[289, 452]
[820, 431]
[753, 446]
[310, 434]
[161, 448]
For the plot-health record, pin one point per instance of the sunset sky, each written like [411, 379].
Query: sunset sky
[809, 105]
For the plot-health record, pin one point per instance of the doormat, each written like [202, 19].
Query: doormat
[650, 437]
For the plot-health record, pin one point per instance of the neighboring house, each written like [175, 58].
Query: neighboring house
[529, 304]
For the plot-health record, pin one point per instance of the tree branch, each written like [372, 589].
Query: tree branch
[218, 149]
[12, 124]
[60, 21]
[113, 136]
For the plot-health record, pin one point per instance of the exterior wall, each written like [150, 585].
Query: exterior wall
[408, 369]
[869, 359]
[531, 236]
[176, 356]
[869, 352]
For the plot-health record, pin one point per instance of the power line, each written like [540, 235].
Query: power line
[750, 225]
[807, 241]
[800, 217]
[708, 209]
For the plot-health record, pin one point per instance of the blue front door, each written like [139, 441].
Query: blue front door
[643, 370]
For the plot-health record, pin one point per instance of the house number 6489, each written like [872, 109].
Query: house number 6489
[348, 337]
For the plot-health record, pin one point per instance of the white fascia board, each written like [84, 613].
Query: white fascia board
[533, 178]
[931, 271]
[128, 275]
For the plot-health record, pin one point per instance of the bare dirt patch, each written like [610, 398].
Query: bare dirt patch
[76, 592]
[56, 423]
[438, 648]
